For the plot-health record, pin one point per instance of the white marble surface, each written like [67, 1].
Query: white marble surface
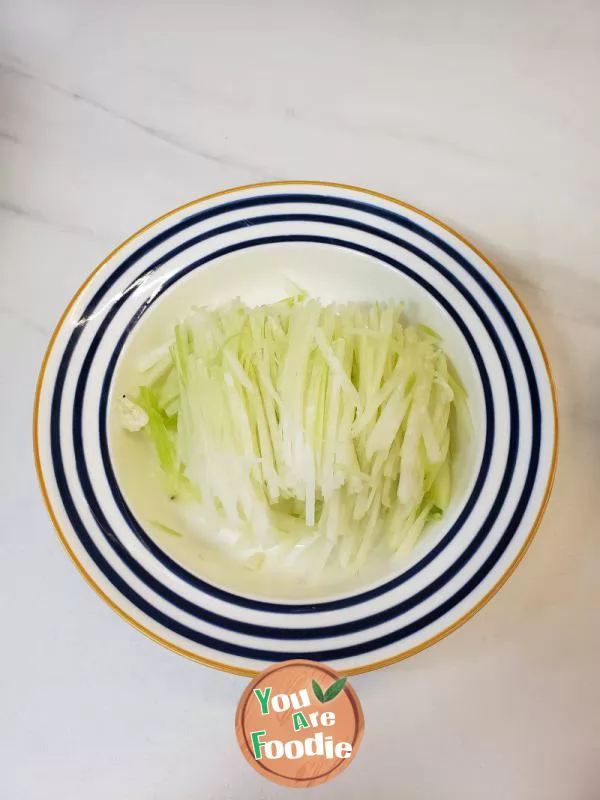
[485, 114]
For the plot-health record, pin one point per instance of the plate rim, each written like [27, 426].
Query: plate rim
[236, 670]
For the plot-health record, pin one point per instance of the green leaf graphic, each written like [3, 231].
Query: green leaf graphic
[334, 689]
[318, 692]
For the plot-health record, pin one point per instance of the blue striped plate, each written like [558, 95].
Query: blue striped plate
[342, 243]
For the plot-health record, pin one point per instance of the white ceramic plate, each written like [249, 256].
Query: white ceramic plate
[341, 243]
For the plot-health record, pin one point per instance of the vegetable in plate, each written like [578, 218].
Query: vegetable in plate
[303, 434]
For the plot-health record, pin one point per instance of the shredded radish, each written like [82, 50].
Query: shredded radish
[317, 434]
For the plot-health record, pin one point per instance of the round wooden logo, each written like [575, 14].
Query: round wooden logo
[299, 723]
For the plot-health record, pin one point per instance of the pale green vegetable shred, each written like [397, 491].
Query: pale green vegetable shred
[326, 430]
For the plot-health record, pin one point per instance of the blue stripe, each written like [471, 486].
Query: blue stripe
[151, 545]
[278, 607]
[249, 629]
[225, 622]
[246, 628]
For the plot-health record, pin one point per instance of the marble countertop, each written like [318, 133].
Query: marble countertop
[484, 114]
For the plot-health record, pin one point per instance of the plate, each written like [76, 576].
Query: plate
[341, 243]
